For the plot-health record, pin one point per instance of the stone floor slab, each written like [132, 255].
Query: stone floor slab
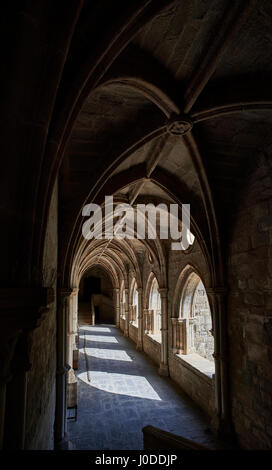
[125, 393]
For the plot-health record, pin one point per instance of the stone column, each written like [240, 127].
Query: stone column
[71, 333]
[164, 370]
[62, 321]
[126, 331]
[92, 312]
[130, 313]
[69, 358]
[117, 307]
[75, 316]
[140, 319]
[222, 420]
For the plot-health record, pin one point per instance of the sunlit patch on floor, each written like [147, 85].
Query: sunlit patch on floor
[121, 384]
[111, 354]
[96, 329]
[100, 339]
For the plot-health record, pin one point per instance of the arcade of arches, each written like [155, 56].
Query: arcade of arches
[158, 101]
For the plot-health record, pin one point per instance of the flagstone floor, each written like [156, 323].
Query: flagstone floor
[120, 392]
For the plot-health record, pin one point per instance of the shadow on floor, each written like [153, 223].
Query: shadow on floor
[125, 393]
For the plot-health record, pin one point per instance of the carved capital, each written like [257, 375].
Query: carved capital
[174, 320]
[64, 292]
[163, 292]
[75, 291]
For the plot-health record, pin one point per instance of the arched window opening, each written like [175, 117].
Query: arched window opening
[203, 342]
[193, 335]
[154, 309]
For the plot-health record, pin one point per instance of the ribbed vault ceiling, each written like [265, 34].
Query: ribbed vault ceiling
[202, 65]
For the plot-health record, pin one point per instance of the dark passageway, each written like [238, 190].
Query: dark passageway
[96, 297]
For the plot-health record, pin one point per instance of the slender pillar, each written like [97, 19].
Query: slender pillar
[75, 316]
[126, 331]
[62, 317]
[92, 320]
[69, 358]
[130, 313]
[71, 333]
[222, 420]
[164, 370]
[140, 319]
[117, 307]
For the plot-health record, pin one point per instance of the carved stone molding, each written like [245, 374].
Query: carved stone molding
[179, 125]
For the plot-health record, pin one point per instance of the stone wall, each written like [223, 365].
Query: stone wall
[152, 348]
[133, 332]
[250, 311]
[194, 383]
[41, 378]
[203, 339]
[197, 386]
[122, 324]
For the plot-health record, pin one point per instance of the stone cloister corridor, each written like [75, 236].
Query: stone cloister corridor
[124, 394]
[136, 195]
